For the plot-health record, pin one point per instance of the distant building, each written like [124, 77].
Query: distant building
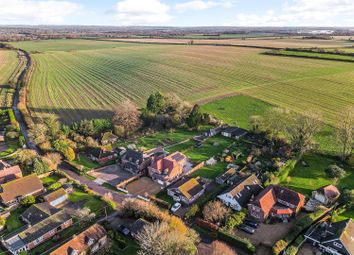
[12, 192]
[102, 156]
[87, 242]
[8, 172]
[240, 194]
[234, 132]
[56, 197]
[276, 201]
[167, 169]
[43, 222]
[186, 190]
[326, 196]
[333, 238]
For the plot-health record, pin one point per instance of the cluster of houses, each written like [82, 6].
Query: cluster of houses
[44, 220]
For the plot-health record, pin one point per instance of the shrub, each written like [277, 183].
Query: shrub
[2, 221]
[335, 172]
[29, 200]
[192, 211]
[55, 186]
[348, 197]
[235, 219]
[279, 246]
[292, 250]
[69, 154]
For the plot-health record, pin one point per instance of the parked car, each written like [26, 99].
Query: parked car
[252, 223]
[124, 230]
[175, 207]
[246, 229]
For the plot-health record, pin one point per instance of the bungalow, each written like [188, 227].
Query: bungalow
[276, 201]
[333, 238]
[186, 190]
[167, 169]
[240, 194]
[102, 156]
[234, 132]
[221, 179]
[134, 161]
[108, 138]
[326, 196]
[56, 197]
[8, 172]
[12, 192]
[43, 222]
[86, 243]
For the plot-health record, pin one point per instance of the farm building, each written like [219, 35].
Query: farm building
[8, 172]
[333, 238]
[56, 197]
[186, 190]
[276, 201]
[87, 242]
[12, 192]
[240, 194]
[43, 222]
[234, 132]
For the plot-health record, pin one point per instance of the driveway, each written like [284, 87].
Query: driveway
[113, 174]
[117, 197]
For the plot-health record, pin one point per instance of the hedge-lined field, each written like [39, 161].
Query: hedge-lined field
[9, 64]
[82, 82]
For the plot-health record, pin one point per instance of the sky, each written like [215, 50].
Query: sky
[178, 12]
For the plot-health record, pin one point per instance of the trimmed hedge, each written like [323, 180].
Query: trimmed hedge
[206, 224]
[237, 241]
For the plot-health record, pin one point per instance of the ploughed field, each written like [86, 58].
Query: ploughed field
[77, 79]
[9, 65]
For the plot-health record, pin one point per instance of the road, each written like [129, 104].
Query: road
[18, 115]
[117, 197]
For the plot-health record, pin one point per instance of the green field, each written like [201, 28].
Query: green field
[9, 65]
[77, 79]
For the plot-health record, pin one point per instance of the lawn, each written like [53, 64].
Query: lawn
[211, 172]
[94, 203]
[88, 164]
[236, 110]
[164, 196]
[306, 179]
[13, 222]
[53, 178]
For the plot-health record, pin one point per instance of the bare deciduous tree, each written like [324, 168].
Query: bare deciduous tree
[160, 239]
[345, 132]
[220, 248]
[215, 211]
[301, 129]
[127, 116]
[275, 121]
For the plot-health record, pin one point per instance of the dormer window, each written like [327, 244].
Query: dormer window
[89, 241]
[338, 245]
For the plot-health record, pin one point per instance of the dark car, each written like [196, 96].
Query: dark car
[124, 230]
[252, 223]
[246, 229]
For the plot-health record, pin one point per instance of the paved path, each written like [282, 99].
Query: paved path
[117, 197]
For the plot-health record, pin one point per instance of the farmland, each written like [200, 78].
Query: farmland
[9, 65]
[77, 79]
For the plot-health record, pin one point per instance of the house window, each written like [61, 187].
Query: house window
[338, 245]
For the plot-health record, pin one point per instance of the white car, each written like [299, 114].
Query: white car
[175, 207]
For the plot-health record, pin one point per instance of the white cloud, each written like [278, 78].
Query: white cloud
[198, 5]
[35, 12]
[301, 13]
[137, 12]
